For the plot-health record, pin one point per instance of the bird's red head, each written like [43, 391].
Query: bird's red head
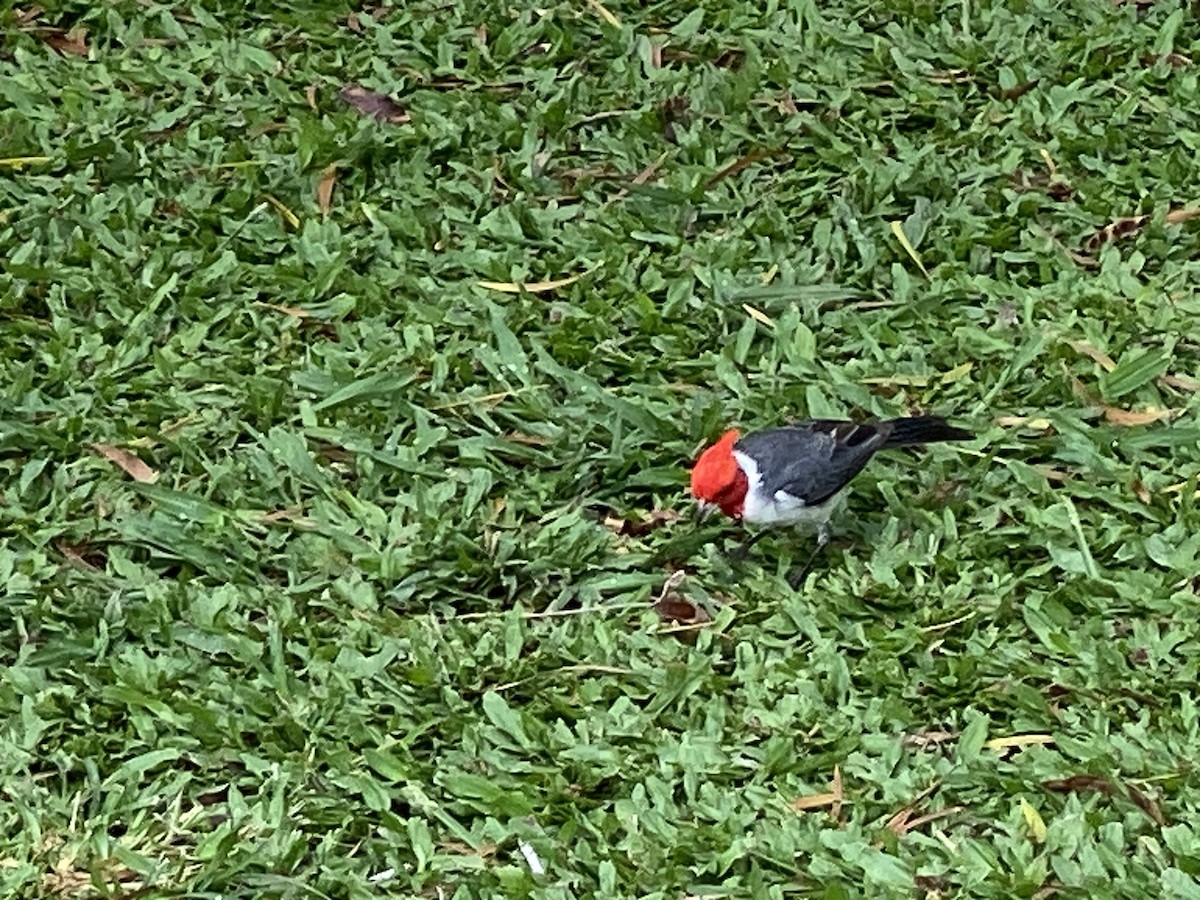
[717, 478]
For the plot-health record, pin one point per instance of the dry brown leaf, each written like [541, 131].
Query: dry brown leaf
[289, 514]
[1174, 60]
[371, 103]
[325, 188]
[656, 518]
[1146, 805]
[353, 23]
[957, 373]
[26, 16]
[898, 380]
[310, 94]
[835, 811]
[127, 462]
[1140, 491]
[902, 823]
[1181, 383]
[530, 287]
[1106, 362]
[288, 216]
[929, 738]
[1019, 740]
[1052, 474]
[73, 42]
[1017, 91]
[739, 165]
[1123, 228]
[294, 311]
[1130, 418]
[1077, 783]
[603, 12]
[77, 555]
[529, 440]
[640, 178]
[1032, 423]
[758, 315]
[815, 801]
[674, 608]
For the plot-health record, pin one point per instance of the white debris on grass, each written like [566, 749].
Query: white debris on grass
[531, 857]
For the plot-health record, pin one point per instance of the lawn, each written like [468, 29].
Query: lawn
[351, 364]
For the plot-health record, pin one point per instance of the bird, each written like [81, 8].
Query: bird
[797, 474]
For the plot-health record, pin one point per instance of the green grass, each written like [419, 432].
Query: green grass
[368, 635]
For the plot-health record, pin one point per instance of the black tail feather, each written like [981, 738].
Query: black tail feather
[924, 430]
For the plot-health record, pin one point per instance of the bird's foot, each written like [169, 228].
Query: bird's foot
[796, 578]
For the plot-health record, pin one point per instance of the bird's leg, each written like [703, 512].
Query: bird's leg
[739, 553]
[824, 533]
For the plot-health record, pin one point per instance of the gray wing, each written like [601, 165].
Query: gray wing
[815, 459]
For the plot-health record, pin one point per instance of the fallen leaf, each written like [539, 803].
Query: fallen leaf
[1079, 783]
[1033, 424]
[1049, 160]
[310, 94]
[739, 165]
[529, 440]
[640, 178]
[1181, 383]
[1146, 805]
[26, 16]
[73, 42]
[1099, 784]
[758, 315]
[1106, 362]
[353, 23]
[127, 462]
[902, 822]
[77, 555]
[815, 801]
[1034, 820]
[294, 311]
[290, 217]
[325, 188]
[656, 518]
[1174, 60]
[898, 380]
[20, 162]
[674, 608]
[374, 104]
[1017, 91]
[835, 811]
[530, 287]
[604, 13]
[957, 373]
[1140, 491]
[898, 230]
[1019, 740]
[1129, 418]
[1051, 474]
[929, 738]
[1123, 228]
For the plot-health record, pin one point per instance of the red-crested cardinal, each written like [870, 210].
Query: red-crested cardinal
[797, 474]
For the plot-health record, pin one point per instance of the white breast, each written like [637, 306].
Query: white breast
[780, 508]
